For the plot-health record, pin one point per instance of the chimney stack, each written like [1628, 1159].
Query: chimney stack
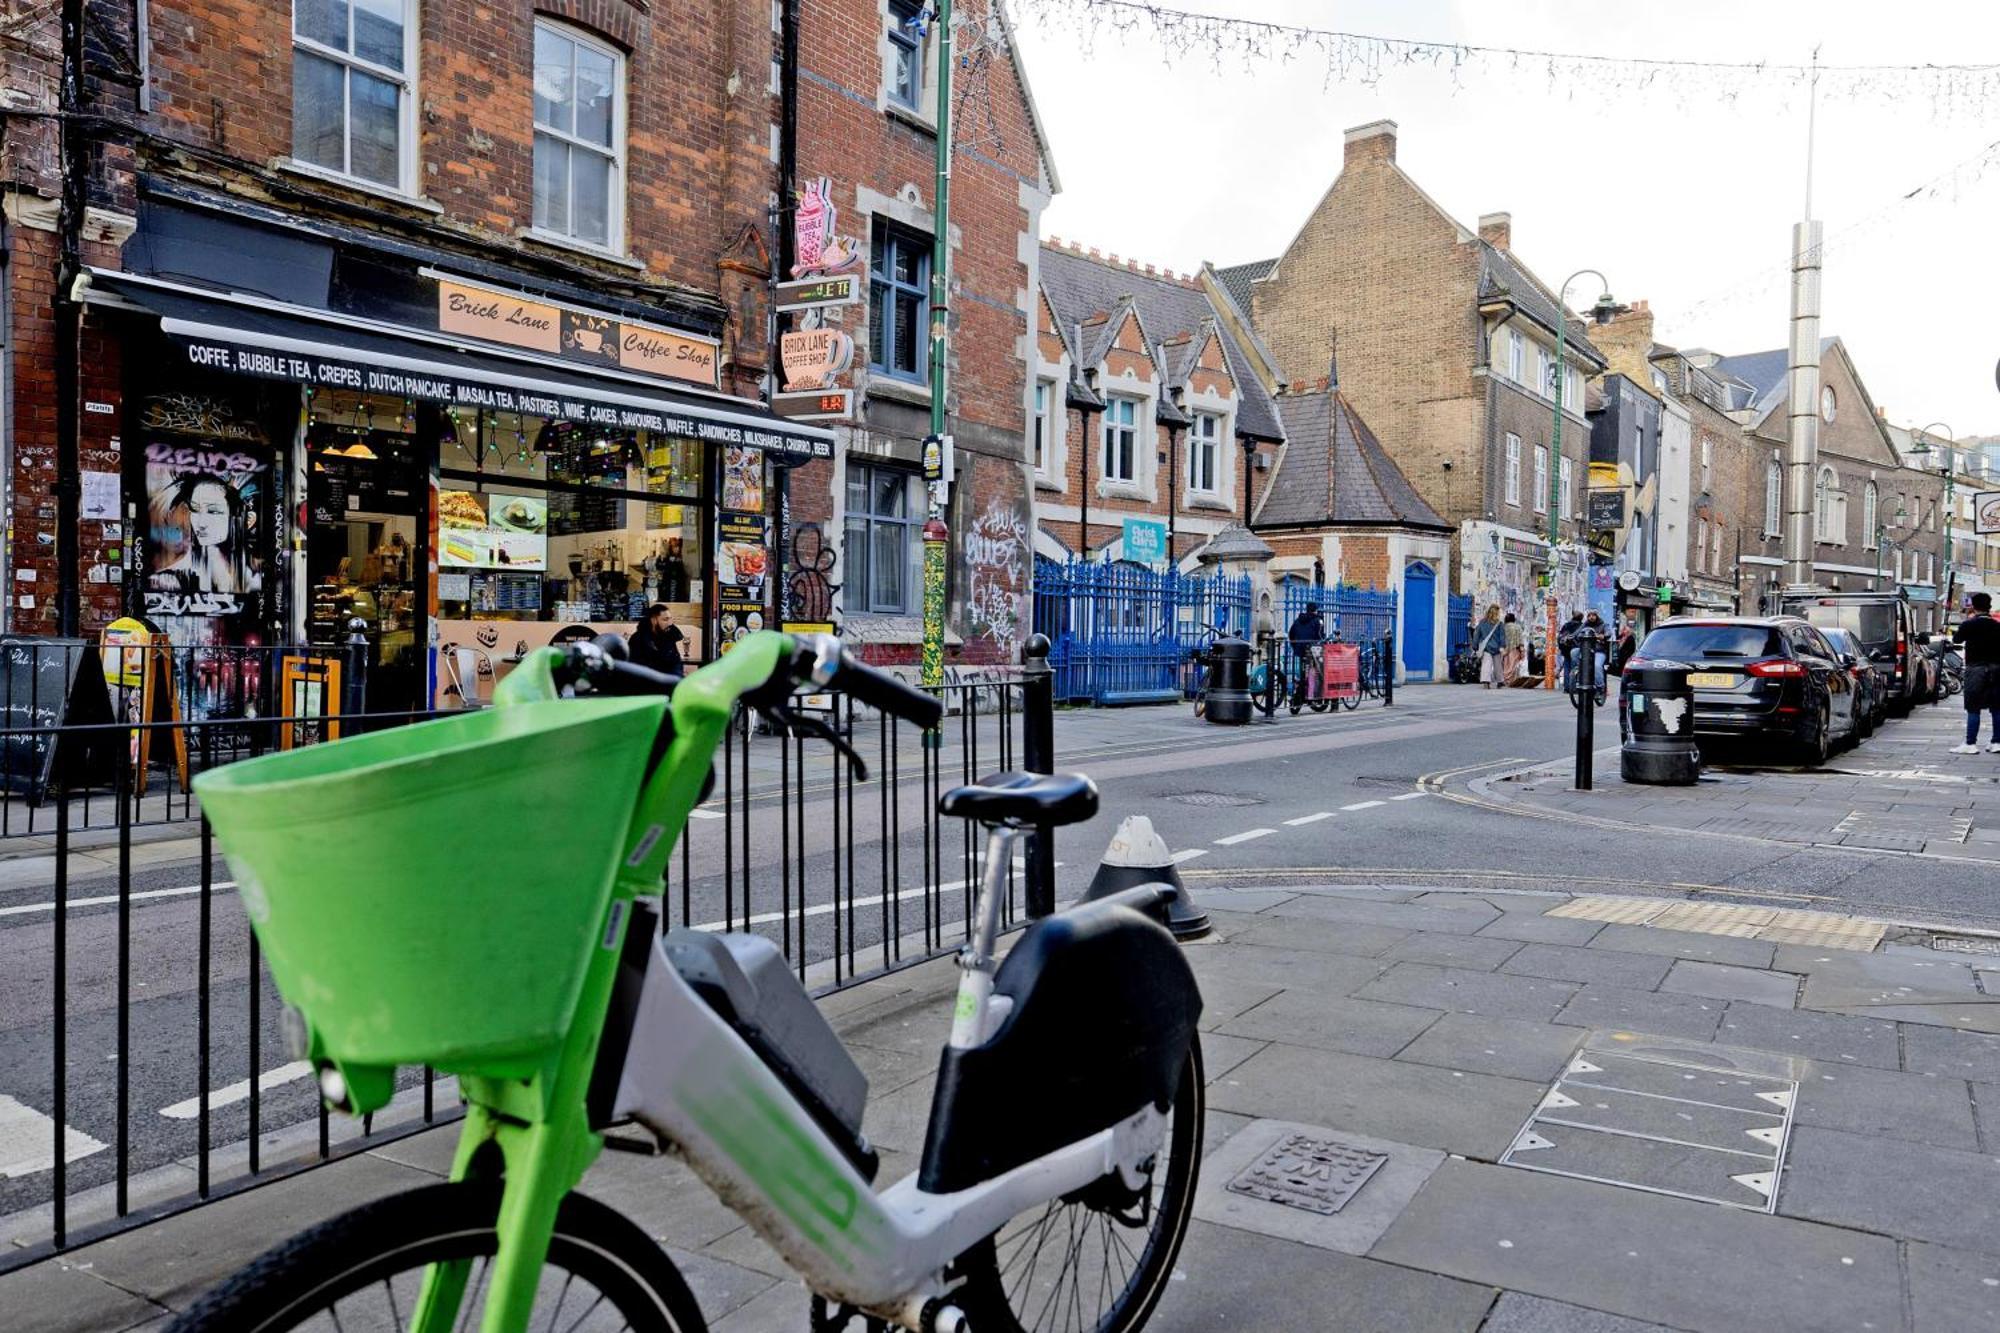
[1497, 230]
[1373, 142]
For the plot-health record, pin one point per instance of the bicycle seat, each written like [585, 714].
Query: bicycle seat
[1024, 798]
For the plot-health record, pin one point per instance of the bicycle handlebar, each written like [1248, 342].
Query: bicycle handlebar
[602, 662]
[883, 690]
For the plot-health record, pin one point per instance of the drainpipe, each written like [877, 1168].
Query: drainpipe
[75, 161]
[788, 189]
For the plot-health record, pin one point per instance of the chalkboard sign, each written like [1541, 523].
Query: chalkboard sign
[48, 683]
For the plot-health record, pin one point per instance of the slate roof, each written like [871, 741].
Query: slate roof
[1080, 288]
[1501, 274]
[1234, 542]
[1236, 280]
[1765, 373]
[1335, 472]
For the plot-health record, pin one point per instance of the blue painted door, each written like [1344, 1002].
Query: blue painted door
[1419, 619]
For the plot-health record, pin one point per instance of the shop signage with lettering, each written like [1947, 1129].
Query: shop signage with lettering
[815, 293]
[812, 357]
[468, 310]
[819, 405]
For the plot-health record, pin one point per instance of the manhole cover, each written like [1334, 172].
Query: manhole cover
[1314, 1174]
[1686, 1126]
[1213, 798]
[1964, 944]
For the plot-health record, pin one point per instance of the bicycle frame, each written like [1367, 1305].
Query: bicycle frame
[693, 1080]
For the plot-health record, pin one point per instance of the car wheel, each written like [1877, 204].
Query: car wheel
[1820, 748]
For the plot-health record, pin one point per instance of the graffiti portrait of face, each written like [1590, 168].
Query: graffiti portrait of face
[208, 515]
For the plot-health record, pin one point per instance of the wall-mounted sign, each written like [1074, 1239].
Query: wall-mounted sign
[1986, 512]
[815, 293]
[815, 222]
[491, 315]
[1605, 508]
[1145, 541]
[812, 357]
[821, 405]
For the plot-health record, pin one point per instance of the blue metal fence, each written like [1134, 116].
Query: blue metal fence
[1122, 633]
[1352, 614]
[1458, 624]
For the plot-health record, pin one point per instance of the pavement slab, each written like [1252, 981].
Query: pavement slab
[1911, 1190]
[1932, 1050]
[65, 1294]
[1854, 980]
[1361, 1027]
[1463, 920]
[1831, 1037]
[1473, 1114]
[1537, 929]
[1923, 1108]
[1293, 932]
[1352, 1230]
[1565, 962]
[1952, 1289]
[1288, 969]
[1721, 981]
[1221, 1053]
[1685, 944]
[1645, 1256]
[1515, 1312]
[1223, 998]
[1617, 1008]
[1467, 992]
[1469, 951]
[1508, 1047]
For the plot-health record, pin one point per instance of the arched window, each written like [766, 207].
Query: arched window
[1774, 494]
[1868, 515]
[1823, 491]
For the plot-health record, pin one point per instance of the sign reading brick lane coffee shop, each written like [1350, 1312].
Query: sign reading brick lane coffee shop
[496, 316]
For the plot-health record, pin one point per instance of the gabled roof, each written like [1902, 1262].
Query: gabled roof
[1079, 287]
[1767, 373]
[1333, 471]
[1100, 337]
[1236, 280]
[1503, 277]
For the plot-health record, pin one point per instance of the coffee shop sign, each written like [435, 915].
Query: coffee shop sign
[490, 315]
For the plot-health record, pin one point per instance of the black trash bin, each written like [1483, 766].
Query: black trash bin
[1656, 707]
[1228, 683]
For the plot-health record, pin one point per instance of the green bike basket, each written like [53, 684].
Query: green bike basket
[430, 894]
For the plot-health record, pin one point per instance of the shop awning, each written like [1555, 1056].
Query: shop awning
[323, 348]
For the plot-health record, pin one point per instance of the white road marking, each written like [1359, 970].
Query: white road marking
[1362, 805]
[143, 896]
[238, 1091]
[1410, 796]
[1309, 819]
[1188, 855]
[1235, 838]
[873, 900]
[26, 1137]
[699, 813]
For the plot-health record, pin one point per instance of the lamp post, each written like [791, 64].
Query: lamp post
[1602, 310]
[1922, 446]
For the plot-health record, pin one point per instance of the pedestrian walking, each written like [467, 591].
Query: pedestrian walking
[1511, 660]
[1624, 645]
[656, 641]
[1979, 635]
[1489, 640]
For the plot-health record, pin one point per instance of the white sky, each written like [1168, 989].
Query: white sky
[1678, 196]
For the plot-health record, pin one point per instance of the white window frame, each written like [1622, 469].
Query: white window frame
[1516, 356]
[1824, 484]
[406, 103]
[1513, 468]
[1700, 543]
[1218, 467]
[1544, 385]
[1707, 461]
[1569, 383]
[890, 42]
[1774, 498]
[614, 222]
[1567, 473]
[1541, 496]
[1870, 513]
[1105, 437]
[1043, 426]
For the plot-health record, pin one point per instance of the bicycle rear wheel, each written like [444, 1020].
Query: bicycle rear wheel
[1095, 1261]
[363, 1270]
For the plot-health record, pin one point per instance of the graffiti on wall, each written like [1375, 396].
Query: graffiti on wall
[809, 585]
[996, 561]
[1509, 579]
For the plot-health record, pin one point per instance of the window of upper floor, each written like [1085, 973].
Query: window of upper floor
[1517, 352]
[579, 138]
[1513, 468]
[1121, 439]
[903, 78]
[353, 85]
[899, 302]
[1541, 495]
[1206, 469]
[1043, 426]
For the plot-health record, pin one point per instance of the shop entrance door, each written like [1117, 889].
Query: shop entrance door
[368, 499]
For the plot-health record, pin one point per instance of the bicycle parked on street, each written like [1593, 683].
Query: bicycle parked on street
[521, 954]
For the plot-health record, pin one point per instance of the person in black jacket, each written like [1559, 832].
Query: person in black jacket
[656, 641]
[1979, 633]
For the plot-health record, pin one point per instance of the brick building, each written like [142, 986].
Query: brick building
[457, 322]
[1447, 349]
[1152, 429]
[1726, 502]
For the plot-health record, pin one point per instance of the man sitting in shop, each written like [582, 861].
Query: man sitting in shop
[656, 641]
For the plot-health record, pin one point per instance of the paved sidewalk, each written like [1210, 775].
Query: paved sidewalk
[1902, 790]
[1586, 1106]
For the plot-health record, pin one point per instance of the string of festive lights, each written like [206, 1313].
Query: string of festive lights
[1950, 90]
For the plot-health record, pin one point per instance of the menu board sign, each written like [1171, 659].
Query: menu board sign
[492, 531]
[742, 563]
[494, 315]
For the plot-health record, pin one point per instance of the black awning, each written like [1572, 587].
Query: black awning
[326, 350]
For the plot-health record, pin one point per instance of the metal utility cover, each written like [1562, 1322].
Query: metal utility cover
[1315, 1174]
[1215, 798]
[1965, 944]
[1677, 1123]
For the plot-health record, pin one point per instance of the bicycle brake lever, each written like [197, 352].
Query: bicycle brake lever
[819, 730]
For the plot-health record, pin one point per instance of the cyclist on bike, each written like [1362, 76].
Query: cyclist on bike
[1307, 633]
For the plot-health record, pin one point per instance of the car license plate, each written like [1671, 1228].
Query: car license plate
[1711, 680]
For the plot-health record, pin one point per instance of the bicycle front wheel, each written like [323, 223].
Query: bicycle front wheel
[1095, 1261]
[363, 1270]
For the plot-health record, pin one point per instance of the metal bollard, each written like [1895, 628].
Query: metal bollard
[1228, 686]
[1584, 688]
[354, 693]
[1038, 755]
[1389, 668]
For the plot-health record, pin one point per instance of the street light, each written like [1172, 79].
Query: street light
[1922, 446]
[1603, 311]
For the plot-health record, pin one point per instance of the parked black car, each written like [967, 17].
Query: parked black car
[1871, 689]
[1769, 677]
[1881, 623]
